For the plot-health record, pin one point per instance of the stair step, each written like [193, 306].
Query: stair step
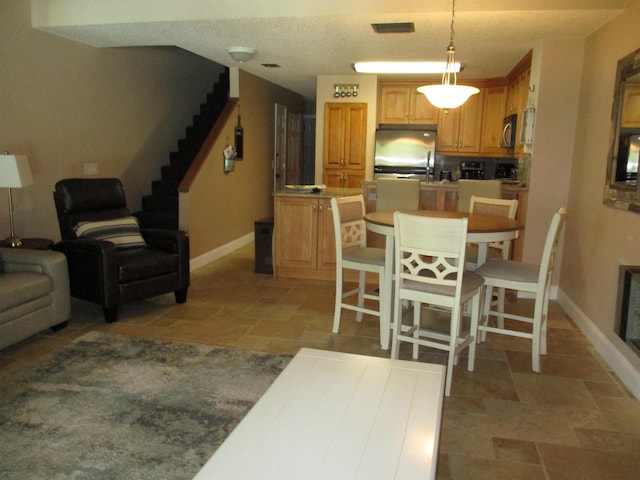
[166, 221]
[171, 172]
[164, 187]
[160, 203]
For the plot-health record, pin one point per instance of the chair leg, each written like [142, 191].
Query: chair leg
[417, 307]
[473, 330]
[338, 306]
[384, 305]
[110, 314]
[397, 327]
[486, 306]
[500, 318]
[362, 285]
[181, 295]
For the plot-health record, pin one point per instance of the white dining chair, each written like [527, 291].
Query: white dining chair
[528, 278]
[429, 273]
[397, 194]
[352, 253]
[480, 188]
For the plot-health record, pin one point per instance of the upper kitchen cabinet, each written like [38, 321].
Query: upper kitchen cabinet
[518, 93]
[459, 129]
[345, 135]
[401, 103]
[493, 112]
[630, 117]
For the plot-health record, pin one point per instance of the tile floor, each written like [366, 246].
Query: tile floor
[573, 421]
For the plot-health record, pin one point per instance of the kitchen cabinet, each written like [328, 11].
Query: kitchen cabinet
[304, 243]
[401, 103]
[518, 94]
[342, 178]
[493, 112]
[630, 117]
[345, 135]
[459, 129]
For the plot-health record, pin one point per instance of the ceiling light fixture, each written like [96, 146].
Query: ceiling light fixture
[448, 94]
[403, 67]
[241, 54]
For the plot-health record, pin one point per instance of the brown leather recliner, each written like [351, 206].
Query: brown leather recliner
[122, 269]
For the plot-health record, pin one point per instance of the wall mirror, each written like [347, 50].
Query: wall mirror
[622, 187]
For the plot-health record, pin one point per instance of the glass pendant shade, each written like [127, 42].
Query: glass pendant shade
[447, 96]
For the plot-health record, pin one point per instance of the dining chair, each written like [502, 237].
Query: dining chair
[480, 188]
[429, 273]
[352, 253]
[397, 194]
[528, 278]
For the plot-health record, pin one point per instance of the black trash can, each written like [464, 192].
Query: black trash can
[263, 245]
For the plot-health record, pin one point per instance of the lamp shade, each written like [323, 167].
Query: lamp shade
[447, 96]
[14, 171]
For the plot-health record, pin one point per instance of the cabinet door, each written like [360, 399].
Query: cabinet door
[334, 134]
[630, 117]
[448, 127]
[355, 135]
[333, 178]
[295, 232]
[395, 101]
[341, 178]
[326, 237]
[495, 99]
[471, 124]
[422, 111]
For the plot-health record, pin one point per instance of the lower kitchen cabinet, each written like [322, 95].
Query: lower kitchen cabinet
[304, 244]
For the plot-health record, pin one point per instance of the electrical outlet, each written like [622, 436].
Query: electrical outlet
[90, 169]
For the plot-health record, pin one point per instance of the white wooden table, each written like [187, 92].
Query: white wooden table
[338, 416]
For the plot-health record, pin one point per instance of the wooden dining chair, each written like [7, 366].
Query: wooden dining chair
[528, 278]
[397, 194]
[480, 188]
[429, 273]
[352, 253]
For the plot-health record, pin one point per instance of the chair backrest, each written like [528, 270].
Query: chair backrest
[349, 227]
[501, 207]
[480, 188]
[397, 194]
[547, 263]
[88, 199]
[430, 251]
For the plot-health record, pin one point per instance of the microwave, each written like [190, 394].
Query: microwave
[509, 131]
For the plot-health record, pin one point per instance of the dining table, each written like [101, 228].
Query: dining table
[482, 229]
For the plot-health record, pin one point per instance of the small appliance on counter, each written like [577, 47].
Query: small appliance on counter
[506, 171]
[472, 170]
[403, 153]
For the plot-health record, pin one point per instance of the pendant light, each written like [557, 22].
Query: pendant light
[448, 94]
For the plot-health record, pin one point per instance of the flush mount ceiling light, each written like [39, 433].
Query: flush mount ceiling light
[241, 54]
[403, 67]
[448, 94]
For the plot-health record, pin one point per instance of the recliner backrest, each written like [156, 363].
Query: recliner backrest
[88, 199]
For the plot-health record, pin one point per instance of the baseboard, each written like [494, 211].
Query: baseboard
[220, 252]
[618, 363]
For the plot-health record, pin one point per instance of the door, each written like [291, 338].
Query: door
[293, 162]
[280, 151]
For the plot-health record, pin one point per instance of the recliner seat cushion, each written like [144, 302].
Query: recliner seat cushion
[140, 263]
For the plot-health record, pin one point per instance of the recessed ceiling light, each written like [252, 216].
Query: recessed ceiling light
[398, 27]
[402, 67]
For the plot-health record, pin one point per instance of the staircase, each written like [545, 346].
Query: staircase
[160, 209]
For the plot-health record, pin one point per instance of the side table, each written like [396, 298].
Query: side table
[33, 243]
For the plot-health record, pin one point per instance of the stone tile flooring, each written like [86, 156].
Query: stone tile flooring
[575, 420]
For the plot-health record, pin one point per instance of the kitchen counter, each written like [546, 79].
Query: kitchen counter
[326, 193]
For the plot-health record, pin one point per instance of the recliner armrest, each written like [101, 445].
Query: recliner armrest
[168, 240]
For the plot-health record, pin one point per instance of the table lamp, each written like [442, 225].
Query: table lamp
[14, 173]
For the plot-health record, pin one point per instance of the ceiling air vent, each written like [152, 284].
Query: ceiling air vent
[400, 27]
[271, 65]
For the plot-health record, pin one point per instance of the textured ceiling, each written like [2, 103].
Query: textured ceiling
[307, 38]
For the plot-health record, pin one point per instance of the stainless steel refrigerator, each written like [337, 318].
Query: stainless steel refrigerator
[404, 153]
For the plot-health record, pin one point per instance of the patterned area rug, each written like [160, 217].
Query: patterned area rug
[114, 407]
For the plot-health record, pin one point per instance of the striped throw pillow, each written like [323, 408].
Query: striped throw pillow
[122, 232]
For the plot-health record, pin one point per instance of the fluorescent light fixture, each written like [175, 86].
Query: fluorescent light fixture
[403, 67]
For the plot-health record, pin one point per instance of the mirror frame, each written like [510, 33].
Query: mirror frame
[621, 195]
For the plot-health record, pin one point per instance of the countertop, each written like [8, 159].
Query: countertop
[438, 185]
[326, 193]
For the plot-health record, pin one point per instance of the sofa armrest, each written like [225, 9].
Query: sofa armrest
[47, 262]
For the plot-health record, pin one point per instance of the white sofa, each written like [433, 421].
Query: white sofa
[34, 293]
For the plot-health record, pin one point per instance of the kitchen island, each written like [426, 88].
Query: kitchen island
[304, 244]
